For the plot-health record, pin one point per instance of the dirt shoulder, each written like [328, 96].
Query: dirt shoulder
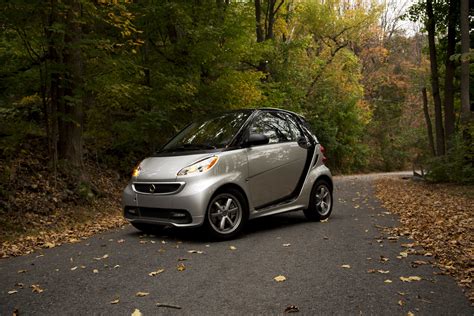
[440, 218]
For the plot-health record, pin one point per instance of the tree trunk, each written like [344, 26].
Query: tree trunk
[429, 127]
[440, 148]
[258, 21]
[449, 118]
[465, 103]
[71, 116]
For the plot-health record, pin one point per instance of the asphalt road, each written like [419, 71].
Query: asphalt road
[238, 281]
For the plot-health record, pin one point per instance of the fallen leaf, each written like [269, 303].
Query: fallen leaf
[49, 244]
[324, 220]
[153, 273]
[287, 245]
[116, 301]
[141, 294]
[21, 271]
[292, 309]
[36, 288]
[280, 278]
[232, 248]
[95, 271]
[12, 292]
[404, 254]
[103, 257]
[401, 303]
[387, 281]
[346, 266]
[121, 241]
[383, 259]
[195, 251]
[410, 278]
[116, 266]
[168, 305]
[136, 312]
[73, 268]
[371, 271]
[181, 267]
[410, 314]
[383, 271]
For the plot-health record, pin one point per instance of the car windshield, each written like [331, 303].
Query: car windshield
[212, 133]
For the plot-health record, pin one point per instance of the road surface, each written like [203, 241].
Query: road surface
[325, 265]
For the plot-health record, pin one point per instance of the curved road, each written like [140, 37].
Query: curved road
[237, 277]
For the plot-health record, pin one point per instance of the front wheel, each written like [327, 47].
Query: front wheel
[320, 202]
[226, 214]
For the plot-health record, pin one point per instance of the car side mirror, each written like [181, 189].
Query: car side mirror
[256, 139]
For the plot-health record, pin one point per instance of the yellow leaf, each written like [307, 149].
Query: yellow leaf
[401, 303]
[36, 288]
[181, 267]
[387, 281]
[232, 248]
[280, 278]
[141, 294]
[116, 301]
[410, 314]
[153, 273]
[346, 266]
[136, 312]
[410, 278]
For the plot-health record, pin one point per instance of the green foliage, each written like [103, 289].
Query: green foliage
[458, 164]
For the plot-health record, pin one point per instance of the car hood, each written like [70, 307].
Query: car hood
[166, 168]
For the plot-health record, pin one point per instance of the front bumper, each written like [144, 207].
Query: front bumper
[185, 208]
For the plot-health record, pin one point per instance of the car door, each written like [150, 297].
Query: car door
[274, 168]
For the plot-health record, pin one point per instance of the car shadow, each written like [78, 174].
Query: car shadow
[198, 235]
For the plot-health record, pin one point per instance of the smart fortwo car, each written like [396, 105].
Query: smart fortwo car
[229, 168]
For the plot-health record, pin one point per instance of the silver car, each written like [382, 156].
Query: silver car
[230, 168]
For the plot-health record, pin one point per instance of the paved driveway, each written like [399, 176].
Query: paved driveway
[237, 277]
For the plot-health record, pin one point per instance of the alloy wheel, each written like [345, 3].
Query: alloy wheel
[225, 213]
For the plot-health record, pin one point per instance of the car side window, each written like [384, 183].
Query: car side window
[297, 133]
[274, 126]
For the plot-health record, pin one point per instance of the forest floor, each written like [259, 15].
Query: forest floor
[440, 218]
[39, 210]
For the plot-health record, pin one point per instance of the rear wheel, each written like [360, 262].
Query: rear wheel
[320, 203]
[150, 229]
[226, 214]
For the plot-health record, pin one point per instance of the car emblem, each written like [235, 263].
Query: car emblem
[152, 188]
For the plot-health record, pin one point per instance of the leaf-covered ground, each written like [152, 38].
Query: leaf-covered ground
[43, 211]
[440, 218]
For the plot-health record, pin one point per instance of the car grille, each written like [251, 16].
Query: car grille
[156, 188]
[168, 215]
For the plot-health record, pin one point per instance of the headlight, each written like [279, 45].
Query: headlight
[136, 171]
[199, 167]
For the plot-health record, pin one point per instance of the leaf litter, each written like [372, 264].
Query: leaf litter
[440, 218]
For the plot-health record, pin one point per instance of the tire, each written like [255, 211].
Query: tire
[149, 229]
[320, 202]
[226, 214]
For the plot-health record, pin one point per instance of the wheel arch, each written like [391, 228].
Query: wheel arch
[234, 186]
[326, 179]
